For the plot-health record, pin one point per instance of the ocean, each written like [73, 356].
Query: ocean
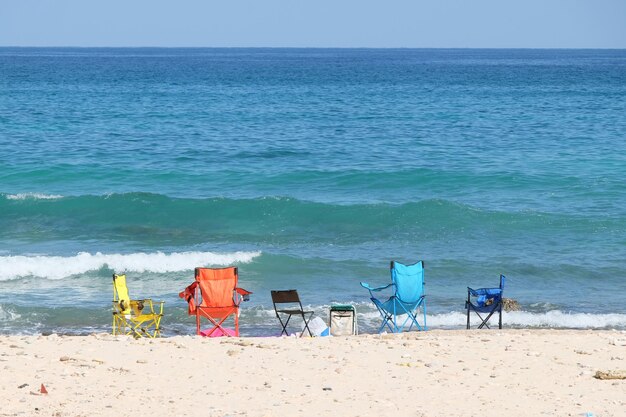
[311, 169]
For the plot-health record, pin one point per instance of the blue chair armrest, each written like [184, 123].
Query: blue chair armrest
[366, 285]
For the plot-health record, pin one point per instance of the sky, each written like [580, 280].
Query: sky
[315, 23]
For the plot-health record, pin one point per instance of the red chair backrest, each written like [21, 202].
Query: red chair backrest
[217, 286]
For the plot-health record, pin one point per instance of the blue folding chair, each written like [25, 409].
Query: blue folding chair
[407, 282]
[487, 301]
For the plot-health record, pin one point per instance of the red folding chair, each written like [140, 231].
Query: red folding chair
[214, 295]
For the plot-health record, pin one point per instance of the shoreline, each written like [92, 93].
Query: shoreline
[512, 372]
[275, 334]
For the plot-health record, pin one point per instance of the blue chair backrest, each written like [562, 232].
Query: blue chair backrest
[409, 281]
[502, 279]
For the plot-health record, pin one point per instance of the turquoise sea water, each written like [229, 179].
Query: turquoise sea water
[311, 169]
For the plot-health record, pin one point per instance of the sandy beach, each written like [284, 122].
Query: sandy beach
[435, 373]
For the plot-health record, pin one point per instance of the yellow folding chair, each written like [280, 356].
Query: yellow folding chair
[136, 318]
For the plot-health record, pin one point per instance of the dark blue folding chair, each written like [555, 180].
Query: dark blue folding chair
[486, 301]
[407, 284]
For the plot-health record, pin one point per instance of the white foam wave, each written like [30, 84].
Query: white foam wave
[57, 267]
[33, 196]
[557, 318]
[548, 319]
[7, 314]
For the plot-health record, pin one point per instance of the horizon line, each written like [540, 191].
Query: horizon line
[314, 47]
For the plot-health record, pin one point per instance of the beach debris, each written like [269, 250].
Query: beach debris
[243, 342]
[409, 364]
[120, 370]
[102, 336]
[43, 389]
[22, 386]
[66, 359]
[510, 304]
[610, 375]
[327, 389]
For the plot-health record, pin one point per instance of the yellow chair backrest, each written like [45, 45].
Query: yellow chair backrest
[120, 293]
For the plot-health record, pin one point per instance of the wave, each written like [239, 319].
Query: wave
[369, 319]
[58, 267]
[33, 196]
[525, 319]
[137, 216]
[261, 320]
[8, 314]
[556, 318]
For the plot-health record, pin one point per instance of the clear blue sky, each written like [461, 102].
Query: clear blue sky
[315, 23]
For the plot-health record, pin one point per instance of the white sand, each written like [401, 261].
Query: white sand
[436, 373]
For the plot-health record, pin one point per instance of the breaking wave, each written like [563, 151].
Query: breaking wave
[33, 196]
[553, 319]
[549, 319]
[57, 267]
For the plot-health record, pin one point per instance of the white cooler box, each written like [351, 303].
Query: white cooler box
[343, 320]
